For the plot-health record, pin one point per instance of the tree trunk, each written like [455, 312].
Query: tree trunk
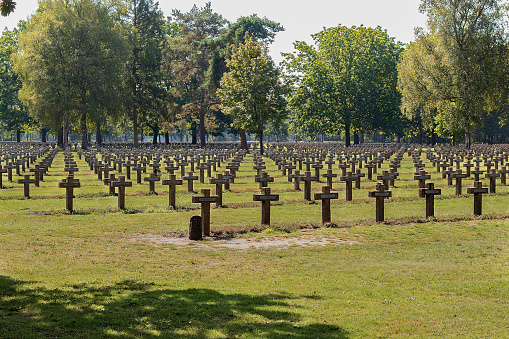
[202, 118]
[355, 138]
[64, 129]
[243, 139]
[44, 132]
[261, 143]
[193, 133]
[347, 135]
[155, 134]
[18, 135]
[83, 127]
[467, 136]
[60, 138]
[166, 138]
[98, 134]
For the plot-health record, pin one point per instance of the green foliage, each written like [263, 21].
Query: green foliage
[188, 57]
[13, 114]
[347, 81]
[70, 60]
[456, 71]
[7, 7]
[252, 92]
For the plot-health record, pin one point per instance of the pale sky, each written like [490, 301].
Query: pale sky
[299, 18]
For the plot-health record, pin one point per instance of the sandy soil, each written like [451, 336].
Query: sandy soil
[237, 243]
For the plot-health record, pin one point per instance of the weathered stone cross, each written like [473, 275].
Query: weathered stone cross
[205, 200]
[326, 195]
[265, 198]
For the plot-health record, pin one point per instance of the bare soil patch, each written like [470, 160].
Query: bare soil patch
[178, 239]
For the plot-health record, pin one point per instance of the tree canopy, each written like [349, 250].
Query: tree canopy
[455, 72]
[252, 91]
[348, 80]
[70, 60]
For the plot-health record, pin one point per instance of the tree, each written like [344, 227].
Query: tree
[13, 114]
[252, 92]
[348, 81]
[70, 60]
[188, 57]
[456, 71]
[145, 80]
[7, 7]
[260, 29]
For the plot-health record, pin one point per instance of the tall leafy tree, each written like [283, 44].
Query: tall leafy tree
[456, 71]
[252, 92]
[145, 80]
[261, 30]
[70, 60]
[13, 114]
[347, 81]
[189, 55]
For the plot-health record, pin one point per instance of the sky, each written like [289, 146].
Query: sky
[300, 19]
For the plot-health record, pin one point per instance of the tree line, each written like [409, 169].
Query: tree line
[88, 65]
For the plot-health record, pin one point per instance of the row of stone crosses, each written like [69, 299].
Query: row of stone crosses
[291, 159]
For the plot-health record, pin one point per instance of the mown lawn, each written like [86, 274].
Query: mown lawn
[106, 273]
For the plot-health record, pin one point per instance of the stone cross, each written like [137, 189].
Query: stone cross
[317, 166]
[265, 198]
[329, 175]
[127, 166]
[458, 175]
[380, 194]
[202, 169]
[152, 182]
[307, 178]
[358, 176]
[229, 179]
[385, 177]
[349, 179]
[503, 172]
[326, 195]
[183, 169]
[264, 179]
[290, 167]
[296, 180]
[259, 168]
[477, 173]
[9, 168]
[69, 184]
[421, 178]
[121, 184]
[108, 181]
[477, 191]
[450, 175]
[219, 181]
[2, 171]
[343, 167]
[493, 175]
[172, 183]
[370, 166]
[205, 200]
[429, 193]
[468, 166]
[190, 181]
[139, 169]
[26, 185]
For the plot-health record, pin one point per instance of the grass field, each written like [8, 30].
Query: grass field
[102, 272]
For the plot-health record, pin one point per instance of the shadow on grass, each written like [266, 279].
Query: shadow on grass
[132, 310]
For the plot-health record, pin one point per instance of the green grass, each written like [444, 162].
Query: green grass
[96, 273]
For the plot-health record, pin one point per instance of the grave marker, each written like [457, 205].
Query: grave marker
[326, 197]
